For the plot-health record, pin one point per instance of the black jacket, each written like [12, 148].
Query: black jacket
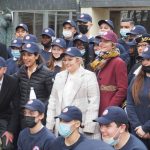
[9, 102]
[41, 80]
[3, 51]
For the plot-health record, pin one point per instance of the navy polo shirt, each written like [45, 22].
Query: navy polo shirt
[133, 144]
[59, 143]
[38, 141]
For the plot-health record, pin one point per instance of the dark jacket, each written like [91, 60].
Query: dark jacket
[9, 102]
[3, 51]
[41, 80]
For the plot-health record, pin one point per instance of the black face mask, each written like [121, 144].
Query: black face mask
[83, 29]
[29, 121]
[146, 69]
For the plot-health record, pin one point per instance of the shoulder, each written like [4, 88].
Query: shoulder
[23, 133]
[134, 142]
[10, 78]
[118, 62]
[48, 134]
[43, 69]
[58, 143]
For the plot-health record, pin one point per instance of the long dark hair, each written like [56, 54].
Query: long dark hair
[50, 64]
[137, 85]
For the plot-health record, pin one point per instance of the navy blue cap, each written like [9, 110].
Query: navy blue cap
[108, 22]
[137, 30]
[31, 48]
[70, 113]
[29, 39]
[143, 38]
[22, 25]
[16, 43]
[146, 53]
[84, 18]
[59, 42]
[73, 52]
[2, 62]
[35, 105]
[113, 114]
[49, 32]
[71, 22]
[81, 37]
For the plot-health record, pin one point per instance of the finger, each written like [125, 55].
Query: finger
[7, 141]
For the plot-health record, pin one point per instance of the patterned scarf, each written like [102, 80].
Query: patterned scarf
[103, 58]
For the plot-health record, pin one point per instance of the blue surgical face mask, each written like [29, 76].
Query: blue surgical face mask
[64, 130]
[15, 53]
[124, 31]
[113, 140]
[82, 51]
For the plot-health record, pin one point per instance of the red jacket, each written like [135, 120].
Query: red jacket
[113, 83]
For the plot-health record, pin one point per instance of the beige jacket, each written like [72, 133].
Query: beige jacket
[85, 96]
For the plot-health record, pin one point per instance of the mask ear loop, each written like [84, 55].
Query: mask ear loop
[117, 135]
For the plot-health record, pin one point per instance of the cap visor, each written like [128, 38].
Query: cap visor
[131, 33]
[144, 56]
[64, 117]
[82, 20]
[105, 38]
[16, 45]
[29, 107]
[67, 53]
[27, 51]
[57, 45]
[102, 120]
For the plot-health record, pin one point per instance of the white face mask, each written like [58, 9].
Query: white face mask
[101, 33]
[67, 34]
[82, 51]
[124, 31]
[97, 53]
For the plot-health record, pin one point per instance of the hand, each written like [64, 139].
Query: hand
[139, 131]
[146, 136]
[9, 137]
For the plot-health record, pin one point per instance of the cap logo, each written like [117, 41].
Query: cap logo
[30, 102]
[69, 49]
[146, 49]
[105, 112]
[46, 30]
[36, 148]
[57, 41]
[133, 28]
[20, 24]
[27, 37]
[69, 21]
[65, 110]
[106, 20]
[28, 45]
[15, 41]
[82, 16]
[79, 36]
